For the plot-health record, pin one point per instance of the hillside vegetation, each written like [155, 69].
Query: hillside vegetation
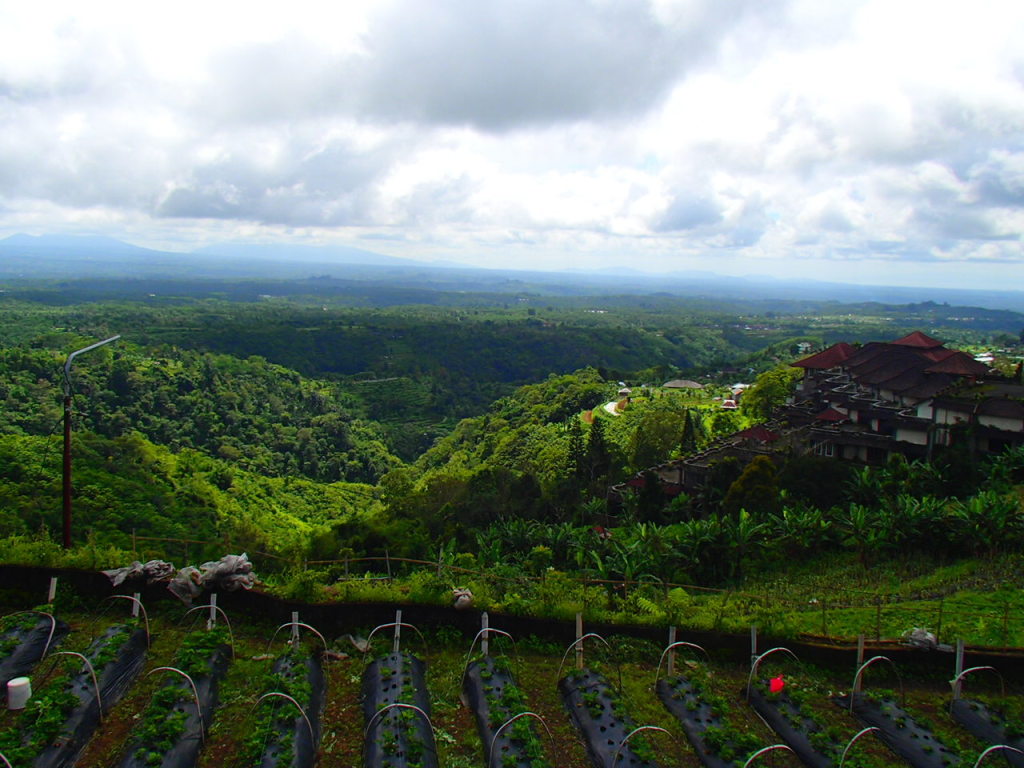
[482, 436]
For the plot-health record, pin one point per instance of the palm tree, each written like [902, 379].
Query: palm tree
[988, 522]
[859, 530]
[740, 534]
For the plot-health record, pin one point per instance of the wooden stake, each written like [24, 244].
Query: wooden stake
[579, 645]
[51, 595]
[484, 642]
[135, 605]
[672, 653]
[860, 660]
[396, 646]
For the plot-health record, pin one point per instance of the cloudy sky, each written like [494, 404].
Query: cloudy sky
[861, 140]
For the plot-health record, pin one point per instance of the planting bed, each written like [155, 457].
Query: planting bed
[24, 639]
[172, 729]
[907, 737]
[401, 736]
[251, 734]
[281, 736]
[992, 725]
[597, 711]
[493, 696]
[794, 725]
[64, 712]
[703, 715]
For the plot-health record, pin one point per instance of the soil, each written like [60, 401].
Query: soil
[535, 668]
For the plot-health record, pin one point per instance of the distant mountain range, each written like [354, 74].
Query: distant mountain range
[49, 257]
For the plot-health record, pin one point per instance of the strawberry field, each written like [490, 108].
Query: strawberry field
[177, 688]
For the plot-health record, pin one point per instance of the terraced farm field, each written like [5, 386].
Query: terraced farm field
[402, 705]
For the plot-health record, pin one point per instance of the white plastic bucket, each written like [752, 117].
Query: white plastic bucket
[19, 691]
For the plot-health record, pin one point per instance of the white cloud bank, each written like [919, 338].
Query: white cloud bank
[872, 140]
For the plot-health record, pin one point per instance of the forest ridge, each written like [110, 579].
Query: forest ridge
[294, 427]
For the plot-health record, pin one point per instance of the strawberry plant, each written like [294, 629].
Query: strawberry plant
[171, 721]
[494, 697]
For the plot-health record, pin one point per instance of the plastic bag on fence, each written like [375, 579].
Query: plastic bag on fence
[187, 585]
[920, 638]
[229, 573]
[152, 571]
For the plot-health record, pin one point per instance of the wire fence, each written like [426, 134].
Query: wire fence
[843, 616]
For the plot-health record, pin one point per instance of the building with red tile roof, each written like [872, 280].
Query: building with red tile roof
[864, 404]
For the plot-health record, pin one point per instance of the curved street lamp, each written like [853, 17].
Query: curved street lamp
[67, 434]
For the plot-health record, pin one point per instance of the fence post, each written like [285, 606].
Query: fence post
[671, 654]
[878, 618]
[579, 645]
[134, 548]
[938, 625]
[387, 560]
[824, 622]
[485, 645]
[1006, 626]
[860, 660]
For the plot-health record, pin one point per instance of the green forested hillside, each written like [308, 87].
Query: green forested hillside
[479, 429]
[127, 484]
[259, 416]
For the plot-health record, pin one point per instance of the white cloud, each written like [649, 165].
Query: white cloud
[759, 132]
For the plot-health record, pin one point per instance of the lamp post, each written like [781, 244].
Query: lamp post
[67, 434]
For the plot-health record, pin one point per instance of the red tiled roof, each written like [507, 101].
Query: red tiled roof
[888, 369]
[918, 340]
[939, 354]
[931, 385]
[831, 414]
[959, 364]
[827, 358]
[760, 433]
[866, 354]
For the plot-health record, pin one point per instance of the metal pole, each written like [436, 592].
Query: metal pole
[67, 436]
[67, 472]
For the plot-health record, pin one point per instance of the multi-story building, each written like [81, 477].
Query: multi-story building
[864, 404]
[906, 396]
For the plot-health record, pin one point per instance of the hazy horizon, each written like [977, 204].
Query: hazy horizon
[874, 142]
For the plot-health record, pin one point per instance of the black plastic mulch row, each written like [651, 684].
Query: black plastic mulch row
[31, 646]
[113, 680]
[898, 730]
[508, 751]
[602, 730]
[304, 743]
[400, 736]
[695, 715]
[185, 751]
[780, 712]
[978, 719]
